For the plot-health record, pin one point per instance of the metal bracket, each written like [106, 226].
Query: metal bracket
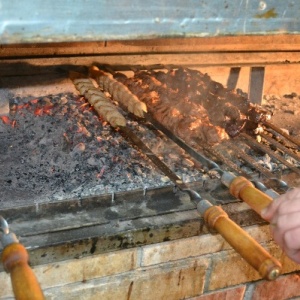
[256, 84]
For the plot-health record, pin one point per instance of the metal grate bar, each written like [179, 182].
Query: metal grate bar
[252, 162]
[280, 146]
[281, 132]
[232, 166]
[250, 141]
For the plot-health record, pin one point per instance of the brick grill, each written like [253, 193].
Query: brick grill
[115, 239]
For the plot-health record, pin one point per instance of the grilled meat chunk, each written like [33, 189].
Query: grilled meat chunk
[190, 104]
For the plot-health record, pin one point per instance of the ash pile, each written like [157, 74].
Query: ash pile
[55, 148]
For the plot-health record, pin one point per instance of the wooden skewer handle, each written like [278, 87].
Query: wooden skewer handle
[24, 282]
[243, 189]
[267, 266]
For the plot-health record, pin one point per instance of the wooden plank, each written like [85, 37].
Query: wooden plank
[206, 44]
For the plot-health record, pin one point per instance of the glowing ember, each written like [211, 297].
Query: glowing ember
[6, 120]
[54, 148]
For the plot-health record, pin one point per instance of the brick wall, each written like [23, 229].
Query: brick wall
[195, 268]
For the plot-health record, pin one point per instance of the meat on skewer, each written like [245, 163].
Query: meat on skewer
[190, 104]
[104, 107]
[118, 92]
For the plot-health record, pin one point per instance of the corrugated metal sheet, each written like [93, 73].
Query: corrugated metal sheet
[94, 20]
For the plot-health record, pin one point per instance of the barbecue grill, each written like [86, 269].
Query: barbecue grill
[75, 187]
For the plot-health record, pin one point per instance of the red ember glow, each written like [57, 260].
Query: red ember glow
[6, 120]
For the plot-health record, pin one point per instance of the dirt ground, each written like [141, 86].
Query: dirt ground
[286, 110]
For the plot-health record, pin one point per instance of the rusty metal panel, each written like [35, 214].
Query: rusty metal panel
[94, 20]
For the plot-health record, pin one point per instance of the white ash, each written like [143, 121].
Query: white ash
[268, 162]
[67, 152]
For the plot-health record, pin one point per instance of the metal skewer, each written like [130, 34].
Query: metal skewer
[216, 218]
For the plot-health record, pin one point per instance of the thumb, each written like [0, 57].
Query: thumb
[267, 213]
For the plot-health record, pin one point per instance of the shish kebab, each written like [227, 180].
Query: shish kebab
[216, 218]
[239, 186]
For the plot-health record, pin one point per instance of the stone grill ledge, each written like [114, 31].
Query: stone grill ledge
[166, 256]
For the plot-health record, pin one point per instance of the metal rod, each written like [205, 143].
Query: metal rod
[281, 132]
[136, 141]
[225, 160]
[198, 156]
[252, 162]
[250, 141]
[195, 154]
[280, 146]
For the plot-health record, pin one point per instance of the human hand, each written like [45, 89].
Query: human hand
[284, 217]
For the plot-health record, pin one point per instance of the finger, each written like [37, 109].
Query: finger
[291, 202]
[269, 212]
[281, 224]
[286, 199]
[291, 239]
[287, 222]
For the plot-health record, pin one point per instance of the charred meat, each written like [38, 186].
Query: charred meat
[190, 104]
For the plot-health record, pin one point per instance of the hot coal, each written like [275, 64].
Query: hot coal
[56, 147]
